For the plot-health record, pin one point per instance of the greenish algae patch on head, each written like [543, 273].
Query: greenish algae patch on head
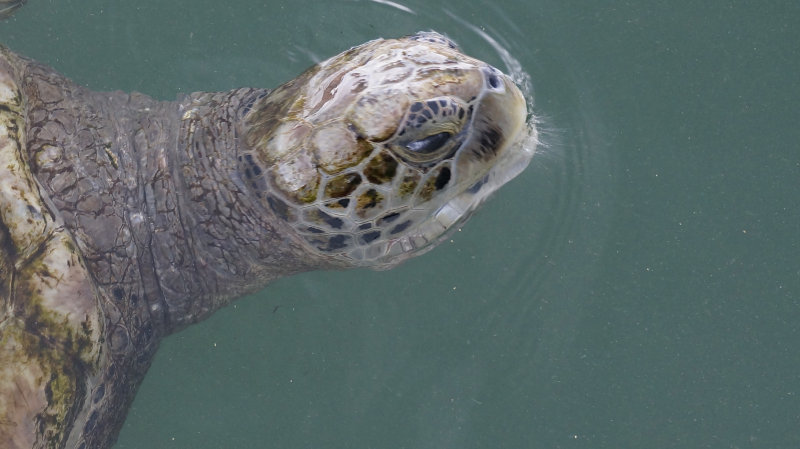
[269, 113]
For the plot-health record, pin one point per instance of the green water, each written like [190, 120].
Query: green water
[637, 287]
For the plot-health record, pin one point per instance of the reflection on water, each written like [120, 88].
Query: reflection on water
[395, 5]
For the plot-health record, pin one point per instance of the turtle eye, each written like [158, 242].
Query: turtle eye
[429, 144]
[431, 130]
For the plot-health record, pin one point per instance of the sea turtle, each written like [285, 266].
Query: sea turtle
[124, 219]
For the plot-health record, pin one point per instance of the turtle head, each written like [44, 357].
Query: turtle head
[375, 154]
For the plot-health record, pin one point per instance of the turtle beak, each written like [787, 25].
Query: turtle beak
[498, 123]
[504, 104]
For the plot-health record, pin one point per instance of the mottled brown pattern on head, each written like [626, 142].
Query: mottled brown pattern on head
[268, 112]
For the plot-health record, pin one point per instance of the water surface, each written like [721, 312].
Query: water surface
[636, 287]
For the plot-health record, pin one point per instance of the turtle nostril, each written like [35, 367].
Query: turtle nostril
[493, 81]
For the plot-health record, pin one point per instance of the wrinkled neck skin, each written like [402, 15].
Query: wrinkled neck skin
[220, 241]
[198, 235]
[150, 193]
[158, 206]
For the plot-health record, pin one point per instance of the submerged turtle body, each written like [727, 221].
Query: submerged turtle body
[7, 7]
[123, 219]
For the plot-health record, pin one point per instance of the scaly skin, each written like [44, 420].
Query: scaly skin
[131, 240]
[124, 219]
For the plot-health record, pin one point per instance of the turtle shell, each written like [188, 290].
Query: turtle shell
[50, 319]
